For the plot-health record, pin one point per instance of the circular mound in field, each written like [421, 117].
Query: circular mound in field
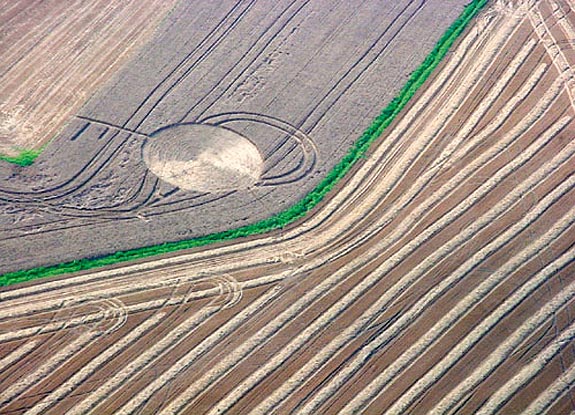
[203, 158]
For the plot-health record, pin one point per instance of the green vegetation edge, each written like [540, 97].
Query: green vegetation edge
[358, 150]
[25, 158]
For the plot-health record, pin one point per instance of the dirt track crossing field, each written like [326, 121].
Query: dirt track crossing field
[439, 278]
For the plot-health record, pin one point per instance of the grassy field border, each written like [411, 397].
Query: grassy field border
[358, 150]
[25, 158]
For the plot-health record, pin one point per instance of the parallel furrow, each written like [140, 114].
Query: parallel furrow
[91, 367]
[151, 354]
[48, 367]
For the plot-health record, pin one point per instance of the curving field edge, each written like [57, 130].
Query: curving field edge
[295, 212]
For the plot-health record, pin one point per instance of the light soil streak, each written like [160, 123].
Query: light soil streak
[47, 368]
[409, 279]
[537, 364]
[415, 351]
[135, 404]
[93, 365]
[562, 385]
[17, 354]
[150, 355]
[501, 353]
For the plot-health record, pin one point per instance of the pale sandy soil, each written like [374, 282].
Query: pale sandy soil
[56, 54]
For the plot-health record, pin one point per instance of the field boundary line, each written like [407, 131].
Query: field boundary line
[300, 209]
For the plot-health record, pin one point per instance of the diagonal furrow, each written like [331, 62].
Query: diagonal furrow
[502, 351]
[448, 188]
[409, 279]
[415, 351]
[166, 343]
[90, 368]
[206, 345]
[17, 354]
[525, 375]
[387, 376]
[48, 367]
[367, 283]
[488, 101]
[563, 384]
[555, 52]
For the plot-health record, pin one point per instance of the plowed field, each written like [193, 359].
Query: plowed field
[56, 54]
[439, 278]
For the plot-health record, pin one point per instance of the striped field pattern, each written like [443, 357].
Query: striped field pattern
[439, 278]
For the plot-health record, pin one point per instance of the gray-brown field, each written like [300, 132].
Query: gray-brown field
[300, 80]
[438, 279]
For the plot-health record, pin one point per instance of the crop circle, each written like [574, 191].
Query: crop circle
[203, 158]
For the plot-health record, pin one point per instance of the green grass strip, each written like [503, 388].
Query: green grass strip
[297, 211]
[25, 158]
